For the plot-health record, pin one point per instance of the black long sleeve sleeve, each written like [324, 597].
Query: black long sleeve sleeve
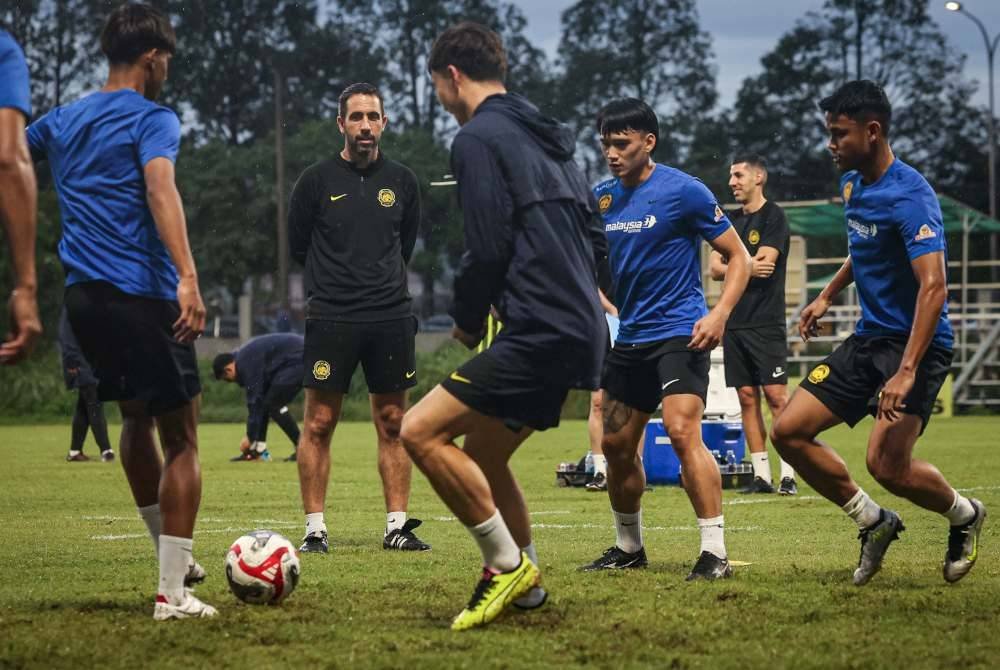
[301, 217]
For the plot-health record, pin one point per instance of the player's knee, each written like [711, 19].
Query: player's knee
[747, 396]
[684, 433]
[320, 424]
[782, 435]
[390, 420]
[890, 475]
[595, 403]
[414, 433]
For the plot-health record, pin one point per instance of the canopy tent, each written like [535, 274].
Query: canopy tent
[825, 218]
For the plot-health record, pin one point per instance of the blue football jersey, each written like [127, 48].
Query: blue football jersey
[15, 90]
[890, 223]
[97, 148]
[653, 237]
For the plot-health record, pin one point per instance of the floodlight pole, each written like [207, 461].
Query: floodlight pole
[991, 48]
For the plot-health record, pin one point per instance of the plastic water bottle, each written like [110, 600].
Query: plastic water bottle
[731, 460]
[588, 463]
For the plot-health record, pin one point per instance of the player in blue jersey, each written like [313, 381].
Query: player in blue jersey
[132, 293]
[655, 217]
[894, 364]
[18, 200]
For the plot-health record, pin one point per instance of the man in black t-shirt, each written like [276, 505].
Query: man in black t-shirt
[755, 346]
[352, 224]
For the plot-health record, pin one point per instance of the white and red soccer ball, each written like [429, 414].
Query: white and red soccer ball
[262, 568]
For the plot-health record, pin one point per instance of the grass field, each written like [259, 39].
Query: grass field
[79, 573]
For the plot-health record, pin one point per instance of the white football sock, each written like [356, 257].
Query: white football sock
[536, 596]
[628, 528]
[260, 447]
[394, 520]
[787, 472]
[961, 512]
[499, 549]
[151, 517]
[761, 467]
[600, 464]
[175, 557]
[75, 452]
[713, 536]
[315, 523]
[865, 511]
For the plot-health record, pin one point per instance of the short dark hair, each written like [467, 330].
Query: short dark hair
[623, 114]
[220, 363]
[361, 88]
[132, 30]
[751, 159]
[861, 100]
[472, 48]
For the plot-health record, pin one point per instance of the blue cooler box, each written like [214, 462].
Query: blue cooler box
[663, 467]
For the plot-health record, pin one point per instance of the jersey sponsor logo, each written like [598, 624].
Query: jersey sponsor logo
[718, 214]
[819, 373]
[753, 237]
[322, 370]
[925, 233]
[848, 189]
[862, 229]
[631, 226]
[335, 198]
[604, 204]
[386, 197]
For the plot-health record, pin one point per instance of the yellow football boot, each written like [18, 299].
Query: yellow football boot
[495, 592]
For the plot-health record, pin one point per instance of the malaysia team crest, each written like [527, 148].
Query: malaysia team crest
[718, 214]
[819, 373]
[386, 197]
[322, 370]
[604, 204]
[848, 188]
[753, 237]
[925, 233]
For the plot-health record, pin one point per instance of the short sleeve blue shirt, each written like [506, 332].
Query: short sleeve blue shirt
[653, 234]
[97, 148]
[15, 88]
[890, 223]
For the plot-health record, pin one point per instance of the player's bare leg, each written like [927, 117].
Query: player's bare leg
[140, 457]
[429, 432]
[776, 396]
[395, 468]
[321, 415]
[682, 415]
[595, 431]
[795, 436]
[756, 436]
[623, 428]
[180, 484]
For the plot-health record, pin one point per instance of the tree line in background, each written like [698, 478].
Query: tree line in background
[232, 53]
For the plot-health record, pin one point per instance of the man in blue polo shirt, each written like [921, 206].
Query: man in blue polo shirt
[18, 199]
[655, 218]
[895, 363]
[132, 293]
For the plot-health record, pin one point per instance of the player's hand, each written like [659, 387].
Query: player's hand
[892, 396]
[809, 319]
[468, 339]
[760, 268]
[191, 323]
[708, 332]
[25, 326]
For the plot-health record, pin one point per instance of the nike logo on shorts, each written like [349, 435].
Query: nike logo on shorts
[459, 378]
[664, 388]
[335, 198]
[777, 372]
[409, 375]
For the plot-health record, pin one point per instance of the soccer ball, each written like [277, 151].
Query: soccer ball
[262, 568]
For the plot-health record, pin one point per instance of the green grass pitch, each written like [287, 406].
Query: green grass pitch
[79, 573]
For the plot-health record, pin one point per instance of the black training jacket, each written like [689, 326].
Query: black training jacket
[262, 363]
[533, 241]
[353, 231]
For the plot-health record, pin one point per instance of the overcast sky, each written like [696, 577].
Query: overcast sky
[744, 30]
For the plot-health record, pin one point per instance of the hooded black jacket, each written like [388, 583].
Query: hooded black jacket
[533, 241]
[263, 363]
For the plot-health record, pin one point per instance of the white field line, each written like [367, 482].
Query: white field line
[979, 488]
[761, 501]
[581, 526]
[133, 536]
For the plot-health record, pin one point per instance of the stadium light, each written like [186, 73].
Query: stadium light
[991, 47]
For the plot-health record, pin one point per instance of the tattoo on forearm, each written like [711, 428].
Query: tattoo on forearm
[616, 415]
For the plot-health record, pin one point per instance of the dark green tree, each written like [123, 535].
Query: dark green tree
[893, 42]
[650, 49]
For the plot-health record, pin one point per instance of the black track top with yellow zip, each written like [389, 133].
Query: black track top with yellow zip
[353, 230]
